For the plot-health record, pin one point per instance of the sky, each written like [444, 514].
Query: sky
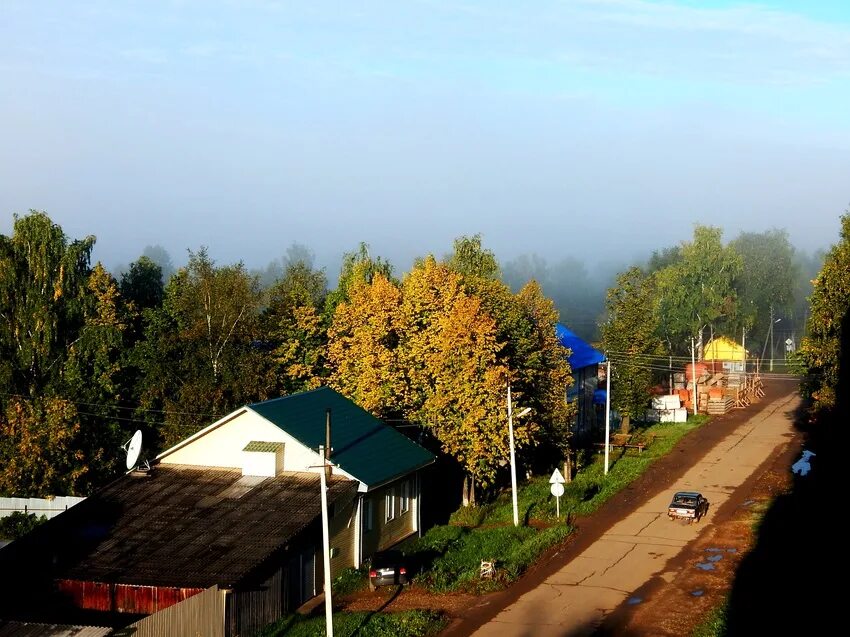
[595, 129]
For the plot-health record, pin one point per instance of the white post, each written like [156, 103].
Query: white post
[694, 374]
[326, 546]
[607, 412]
[771, 337]
[513, 459]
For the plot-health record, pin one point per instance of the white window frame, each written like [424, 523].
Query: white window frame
[389, 505]
[404, 497]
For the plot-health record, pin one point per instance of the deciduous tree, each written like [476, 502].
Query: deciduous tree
[830, 303]
[630, 340]
[767, 279]
[698, 290]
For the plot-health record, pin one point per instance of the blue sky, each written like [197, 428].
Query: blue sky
[589, 128]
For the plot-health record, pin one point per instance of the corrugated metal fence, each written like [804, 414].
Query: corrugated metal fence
[49, 507]
[201, 615]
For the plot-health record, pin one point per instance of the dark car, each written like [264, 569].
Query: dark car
[687, 505]
[388, 568]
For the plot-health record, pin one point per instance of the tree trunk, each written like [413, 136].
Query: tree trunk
[625, 422]
[568, 467]
[465, 495]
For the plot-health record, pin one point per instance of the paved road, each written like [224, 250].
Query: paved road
[574, 600]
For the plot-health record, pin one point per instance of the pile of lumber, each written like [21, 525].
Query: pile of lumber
[720, 404]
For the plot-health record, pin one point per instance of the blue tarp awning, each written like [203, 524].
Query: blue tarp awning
[583, 354]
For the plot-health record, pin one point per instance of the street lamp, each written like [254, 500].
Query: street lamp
[513, 459]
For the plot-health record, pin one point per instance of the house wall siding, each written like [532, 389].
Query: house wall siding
[386, 533]
[342, 533]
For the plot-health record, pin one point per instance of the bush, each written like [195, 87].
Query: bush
[348, 581]
[19, 524]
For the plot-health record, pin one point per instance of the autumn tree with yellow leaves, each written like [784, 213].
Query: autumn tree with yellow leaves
[438, 350]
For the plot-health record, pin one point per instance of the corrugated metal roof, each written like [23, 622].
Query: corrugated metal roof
[28, 629]
[256, 445]
[178, 526]
[362, 445]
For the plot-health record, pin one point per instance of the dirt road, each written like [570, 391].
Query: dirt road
[601, 582]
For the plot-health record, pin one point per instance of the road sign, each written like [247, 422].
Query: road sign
[556, 478]
[557, 489]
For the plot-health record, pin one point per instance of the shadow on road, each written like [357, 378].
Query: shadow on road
[786, 584]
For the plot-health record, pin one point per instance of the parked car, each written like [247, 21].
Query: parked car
[388, 568]
[687, 505]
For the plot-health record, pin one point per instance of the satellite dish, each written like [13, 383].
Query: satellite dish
[134, 448]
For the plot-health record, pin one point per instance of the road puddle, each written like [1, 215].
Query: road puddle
[697, 593]
[634, 600]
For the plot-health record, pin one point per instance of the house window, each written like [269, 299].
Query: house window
[389, 505]
[368, 519]
[404, 498]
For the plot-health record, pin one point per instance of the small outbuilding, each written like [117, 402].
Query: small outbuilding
[722, 354]
[584, 362]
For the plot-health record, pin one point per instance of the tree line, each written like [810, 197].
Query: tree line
[86, 357]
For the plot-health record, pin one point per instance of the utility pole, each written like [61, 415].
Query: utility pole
[694, 374]
[513, 457]
[326, 544]
[771, 337]
[607, 412]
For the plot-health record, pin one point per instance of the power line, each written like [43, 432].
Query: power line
[167, 412]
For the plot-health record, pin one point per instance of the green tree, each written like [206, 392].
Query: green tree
[357, 267]
[631, 342]
[470, 258]
[200, 356]
[93, 375]
[664, 258]
[142, 284]
[698, 291]
[294, 326]
[766, 283]
[18, 524]
[159, 256]
[42, 285]
[40, 448]
[542, 374]
[830, 301]
[61, 337]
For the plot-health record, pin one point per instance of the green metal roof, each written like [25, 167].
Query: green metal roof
[362, 445]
